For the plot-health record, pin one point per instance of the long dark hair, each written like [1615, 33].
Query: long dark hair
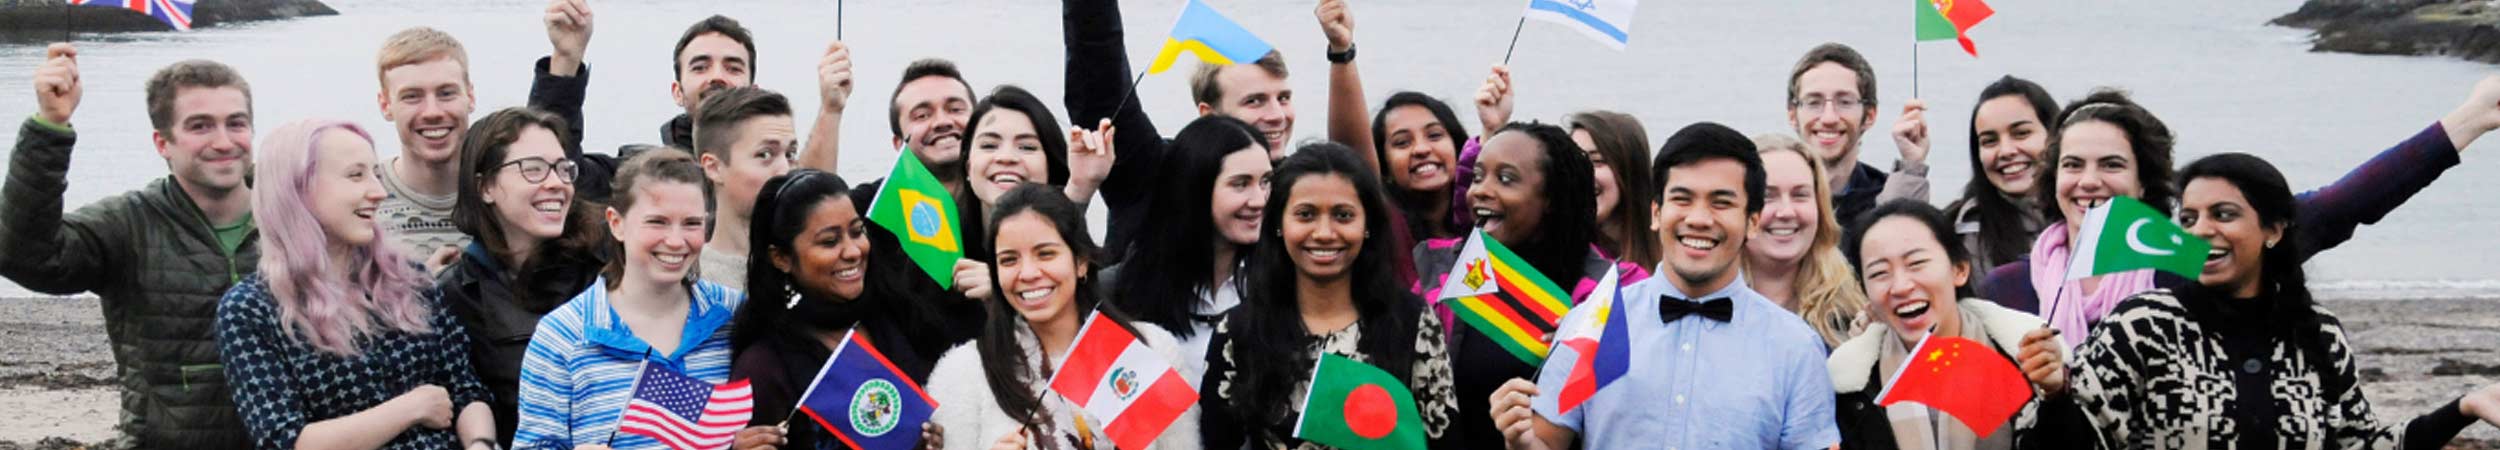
[1927, 215]
[1413, 203]
[1164, 279]
[2283, 281]
[1560, 246]
[782, 208]
[2001, 234]
[482, 151]
[1002, 357]
[1625, 145]
[1054, 156]
[2146, 136]
[1272, 344]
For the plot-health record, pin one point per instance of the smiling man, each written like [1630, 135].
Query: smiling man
[426, 96]
[1761, 382]
[1831, 103]
[158, 257]
[1098, 85]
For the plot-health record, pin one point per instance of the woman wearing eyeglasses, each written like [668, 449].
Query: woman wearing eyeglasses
[530, 247]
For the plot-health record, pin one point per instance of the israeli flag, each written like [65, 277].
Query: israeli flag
[1607, 21]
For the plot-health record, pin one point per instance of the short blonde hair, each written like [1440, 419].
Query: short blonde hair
[419, 45]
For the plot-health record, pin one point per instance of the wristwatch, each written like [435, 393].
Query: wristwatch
[1342, 58]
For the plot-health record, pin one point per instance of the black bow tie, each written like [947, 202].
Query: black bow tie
[1671, 308]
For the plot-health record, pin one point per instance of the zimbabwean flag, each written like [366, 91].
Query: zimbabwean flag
[1354, 405]
[1951, 19]
[1495, 291]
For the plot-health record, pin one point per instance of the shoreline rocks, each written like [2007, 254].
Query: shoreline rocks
[39, 18]
[2463, 29]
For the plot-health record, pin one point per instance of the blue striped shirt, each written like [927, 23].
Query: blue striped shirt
[581, 364]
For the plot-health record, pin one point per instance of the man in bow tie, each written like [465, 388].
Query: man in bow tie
[1714, 364]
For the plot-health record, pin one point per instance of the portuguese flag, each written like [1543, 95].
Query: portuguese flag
[1497, 292]
[1355, 405]
[1951, 19]
[916, 208]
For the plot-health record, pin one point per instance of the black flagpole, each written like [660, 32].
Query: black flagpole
[1126, 99]
[1514, 38]
[837, 19]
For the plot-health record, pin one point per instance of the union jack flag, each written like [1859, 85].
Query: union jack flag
[176, 13]
[684, 413]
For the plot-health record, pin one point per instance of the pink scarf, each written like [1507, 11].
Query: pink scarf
[2062, 302]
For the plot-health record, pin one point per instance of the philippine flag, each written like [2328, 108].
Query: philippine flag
[1114, 377]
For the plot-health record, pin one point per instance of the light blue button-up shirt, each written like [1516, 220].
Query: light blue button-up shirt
[1755, 381]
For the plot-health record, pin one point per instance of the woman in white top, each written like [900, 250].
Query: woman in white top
[992, 393]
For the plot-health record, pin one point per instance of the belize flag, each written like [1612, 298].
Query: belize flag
[1600, 347]
[867, 401]
[1116, 379]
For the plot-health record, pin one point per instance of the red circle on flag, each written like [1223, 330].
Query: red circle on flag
[1370, 413]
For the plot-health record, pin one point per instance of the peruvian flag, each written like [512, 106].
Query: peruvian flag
[1114, 377]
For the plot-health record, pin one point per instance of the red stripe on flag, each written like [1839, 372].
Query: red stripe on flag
[1583, 380]
[1528, 297]
[1494, 302]
[1096, 351]
[1153, 412]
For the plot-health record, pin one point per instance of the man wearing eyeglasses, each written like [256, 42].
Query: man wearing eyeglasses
[1831, 102]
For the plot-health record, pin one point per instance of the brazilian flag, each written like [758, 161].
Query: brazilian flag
[916, 208]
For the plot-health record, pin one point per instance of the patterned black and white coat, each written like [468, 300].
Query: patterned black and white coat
[2155, 375]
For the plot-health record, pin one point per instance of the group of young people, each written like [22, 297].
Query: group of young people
[497, 286]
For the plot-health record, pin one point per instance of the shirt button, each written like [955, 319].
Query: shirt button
[1679, 399]
[2253, 367]
[1688, 347]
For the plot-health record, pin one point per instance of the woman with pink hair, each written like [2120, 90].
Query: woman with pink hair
[336, 342]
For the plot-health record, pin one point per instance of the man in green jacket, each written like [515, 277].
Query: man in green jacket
[159, 257]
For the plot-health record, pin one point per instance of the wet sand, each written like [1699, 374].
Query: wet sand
[56, 370]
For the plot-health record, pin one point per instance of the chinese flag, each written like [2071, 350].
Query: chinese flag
[1961, 377]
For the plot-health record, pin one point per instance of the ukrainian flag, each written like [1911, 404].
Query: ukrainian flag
[1213, 38]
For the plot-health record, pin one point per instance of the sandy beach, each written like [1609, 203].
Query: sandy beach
[56, 371]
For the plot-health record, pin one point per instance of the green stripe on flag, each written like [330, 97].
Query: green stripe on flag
[1353, 405]
[1932, 25]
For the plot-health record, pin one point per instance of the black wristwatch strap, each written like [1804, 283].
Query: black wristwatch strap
[1342, 58]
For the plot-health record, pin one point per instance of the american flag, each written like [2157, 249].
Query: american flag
[176, 13]
[686, 413]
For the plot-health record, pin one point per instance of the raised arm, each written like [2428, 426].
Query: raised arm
[73, 246]
[833, 83]
[1349, 121]
[1909, 175]
[560, 80]
[2377, 187]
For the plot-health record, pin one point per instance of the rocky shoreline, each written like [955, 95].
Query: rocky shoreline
[56, 369]
[2457, 28]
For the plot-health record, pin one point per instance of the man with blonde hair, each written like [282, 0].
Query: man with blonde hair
[425, 93]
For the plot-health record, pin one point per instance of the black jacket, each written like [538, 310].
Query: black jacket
[153, 260]
[563, 96]
[1097, 84]
[482, 293]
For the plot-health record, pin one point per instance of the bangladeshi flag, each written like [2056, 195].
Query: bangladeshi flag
[1963, 378]
[1498, 293]
[917, 208]
[2125, 234]
[1355, 405]
[1951, 19]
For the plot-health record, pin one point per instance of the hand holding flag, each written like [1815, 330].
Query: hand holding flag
[1115, 378]
[867, 400]
[685, 413]
[1601, 347]
[1962, 378]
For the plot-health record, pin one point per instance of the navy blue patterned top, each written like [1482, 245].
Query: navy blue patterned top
[282, 383]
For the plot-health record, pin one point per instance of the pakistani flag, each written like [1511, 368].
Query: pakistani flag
[1355, 405]
[2127, 234]
[917, 209]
